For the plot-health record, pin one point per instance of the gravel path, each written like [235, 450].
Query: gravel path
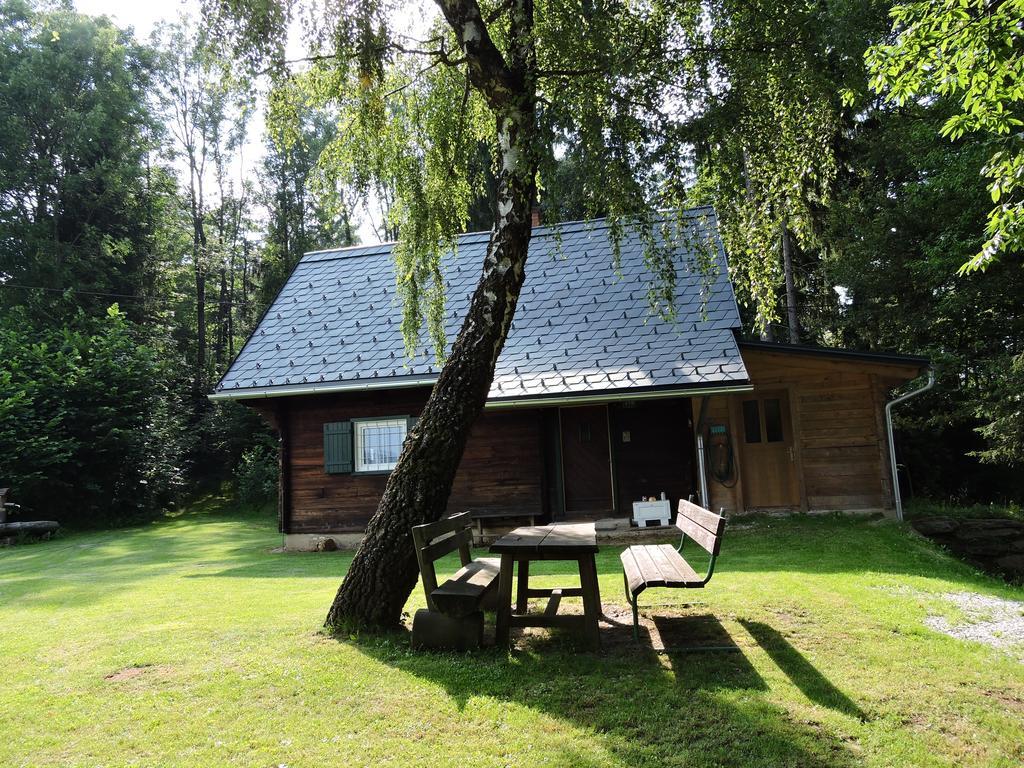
[993, 621]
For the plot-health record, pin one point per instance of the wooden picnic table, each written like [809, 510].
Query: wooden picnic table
[559, 541]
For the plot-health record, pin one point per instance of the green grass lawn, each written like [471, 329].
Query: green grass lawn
[187, 642]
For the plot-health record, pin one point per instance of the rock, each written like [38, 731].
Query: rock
[326, 544]
[994, 544]
[990, 529]
[980, 547]
[1013, 563]
[935, 526]
[30, 527]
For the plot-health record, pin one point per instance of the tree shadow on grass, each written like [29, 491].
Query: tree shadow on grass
[284, 565]
[814, 685]
[640, 706]
[84, 567]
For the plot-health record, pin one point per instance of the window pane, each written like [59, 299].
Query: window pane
[751, 421]
[378, 444]
[773, 420]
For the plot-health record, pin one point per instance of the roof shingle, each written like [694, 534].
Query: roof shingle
[580, 327]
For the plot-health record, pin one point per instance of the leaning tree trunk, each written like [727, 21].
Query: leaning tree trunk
[384, 571]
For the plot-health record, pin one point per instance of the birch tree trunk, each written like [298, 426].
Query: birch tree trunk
[384, 571]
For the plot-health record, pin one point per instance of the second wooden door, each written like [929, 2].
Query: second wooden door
[586, 461]
[768, 460]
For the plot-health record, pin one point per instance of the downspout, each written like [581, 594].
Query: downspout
[705, 500]
[892, 446]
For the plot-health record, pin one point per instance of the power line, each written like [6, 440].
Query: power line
[128, 296]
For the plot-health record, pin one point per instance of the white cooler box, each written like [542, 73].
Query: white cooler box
[647, 512]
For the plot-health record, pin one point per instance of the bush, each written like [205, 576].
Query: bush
[89, 433]
[224, 431]
[256, 475]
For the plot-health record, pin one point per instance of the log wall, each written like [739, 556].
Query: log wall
[502, 467]
[841, 451]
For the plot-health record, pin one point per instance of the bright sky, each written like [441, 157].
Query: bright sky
[138, 14]
[143, 16]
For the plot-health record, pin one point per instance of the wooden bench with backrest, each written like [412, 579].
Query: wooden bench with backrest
[662, 565]
[453, 618]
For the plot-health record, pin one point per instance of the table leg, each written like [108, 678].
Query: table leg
[591, 599]
[522, 586]
[501, 632]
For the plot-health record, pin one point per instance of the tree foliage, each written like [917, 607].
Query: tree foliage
[907, 213]
[205, 109]
[88, 435]
[92, 214]
[77, 130]
[972, 51]
[766, 132]
[308, 208]
[412, 117]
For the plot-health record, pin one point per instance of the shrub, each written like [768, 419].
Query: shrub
[256, 475]
[89, 433]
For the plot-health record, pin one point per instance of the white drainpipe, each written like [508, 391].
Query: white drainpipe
[705, 499]
[892, 446]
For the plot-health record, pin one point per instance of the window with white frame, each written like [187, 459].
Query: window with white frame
[378, 443]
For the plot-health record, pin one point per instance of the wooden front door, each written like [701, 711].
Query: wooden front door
[768, 463]
[586, 460]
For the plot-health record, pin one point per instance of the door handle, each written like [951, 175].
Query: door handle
[790, 449]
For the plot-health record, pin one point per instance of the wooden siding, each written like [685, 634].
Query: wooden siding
[840, 451]
[513, 460]
[502, 467]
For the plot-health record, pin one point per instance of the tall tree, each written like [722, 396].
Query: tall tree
[74, 188]
[204, 112]
[308, 206]
[908, 211]
[972, 51]
[607, 77]
[770, 164]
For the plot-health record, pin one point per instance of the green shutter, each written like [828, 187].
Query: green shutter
[338, 447]
[410, 422]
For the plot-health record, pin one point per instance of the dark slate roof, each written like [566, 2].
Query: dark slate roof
[580, 328]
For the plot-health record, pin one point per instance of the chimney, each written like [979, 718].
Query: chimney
[535, 220]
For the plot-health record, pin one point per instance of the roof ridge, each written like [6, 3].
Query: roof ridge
[376, 249]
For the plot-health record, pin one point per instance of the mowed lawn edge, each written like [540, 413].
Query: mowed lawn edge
[188, 642]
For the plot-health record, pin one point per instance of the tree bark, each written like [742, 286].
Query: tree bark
[198, 250]
[792, 319]
[384, 571]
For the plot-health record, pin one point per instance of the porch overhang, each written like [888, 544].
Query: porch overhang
[534, 401]
[611, 396]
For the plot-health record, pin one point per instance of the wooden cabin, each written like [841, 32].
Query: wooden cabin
[596, 403]
[811, 433]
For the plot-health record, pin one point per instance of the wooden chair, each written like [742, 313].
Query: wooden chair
[662, 565]
[453, 618]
